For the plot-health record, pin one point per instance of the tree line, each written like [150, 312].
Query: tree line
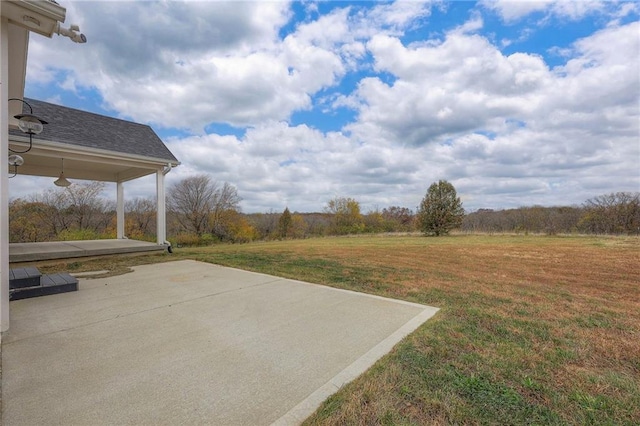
[613, 214]
[202, 211]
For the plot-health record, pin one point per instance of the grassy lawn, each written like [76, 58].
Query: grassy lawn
[532, 329]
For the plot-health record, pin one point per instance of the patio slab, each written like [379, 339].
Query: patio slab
[192, 343]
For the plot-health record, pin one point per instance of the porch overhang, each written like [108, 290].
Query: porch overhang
[45, 159]
[39, 16]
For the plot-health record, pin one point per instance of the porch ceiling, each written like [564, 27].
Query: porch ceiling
[45, 159]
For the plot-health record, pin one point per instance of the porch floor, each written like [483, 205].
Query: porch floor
[33, 252]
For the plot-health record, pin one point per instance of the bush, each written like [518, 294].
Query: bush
[187, 239]
[82, 234]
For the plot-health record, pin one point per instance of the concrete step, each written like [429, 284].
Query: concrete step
[49, 284]
[24, 277]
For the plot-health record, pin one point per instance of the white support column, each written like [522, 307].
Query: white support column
[120, 210]
[161, 226]
[4, 174]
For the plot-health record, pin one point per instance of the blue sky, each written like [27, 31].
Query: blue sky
[295, 103]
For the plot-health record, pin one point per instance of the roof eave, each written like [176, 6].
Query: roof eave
[93, 152]
[39, 16]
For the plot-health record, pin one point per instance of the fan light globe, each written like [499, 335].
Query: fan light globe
[16, 160]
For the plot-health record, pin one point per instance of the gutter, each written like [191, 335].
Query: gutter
[49, 9]
[79, 149]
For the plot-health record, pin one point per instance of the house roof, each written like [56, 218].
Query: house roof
[85, 129]
[89, 146]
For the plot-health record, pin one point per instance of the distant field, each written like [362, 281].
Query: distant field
[532, 329]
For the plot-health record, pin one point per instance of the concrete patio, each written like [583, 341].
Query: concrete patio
[192, 343]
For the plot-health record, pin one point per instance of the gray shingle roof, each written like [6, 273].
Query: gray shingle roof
[97, 131]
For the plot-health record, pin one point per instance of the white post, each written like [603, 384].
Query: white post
[4, 174]
[120, 210]
[161, 225]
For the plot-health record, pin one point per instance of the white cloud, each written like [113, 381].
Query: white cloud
[604, 71]
[216, 61]
[513, 10]
[398, 15]
[472, 25]
[566, 118]
[507, 130]
[443, 89]
[300, 167]
[625, 9]
[211, 59]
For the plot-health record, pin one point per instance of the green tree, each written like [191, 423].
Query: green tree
[374, 222]
[284, 224]
[298, 226]
[440, 210]
[347, 218]
[25, 223]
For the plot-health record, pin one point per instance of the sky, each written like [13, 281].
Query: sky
[295, 103]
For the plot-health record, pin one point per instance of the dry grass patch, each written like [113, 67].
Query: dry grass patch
[532, 329]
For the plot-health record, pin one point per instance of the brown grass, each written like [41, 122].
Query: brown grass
[532, 329]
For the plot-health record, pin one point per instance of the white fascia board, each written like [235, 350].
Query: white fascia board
[79, 151]
[40, 16]
[45, 8]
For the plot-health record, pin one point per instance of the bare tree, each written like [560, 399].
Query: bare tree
[199, 203]
[398, 218]
[51, 210]
[191, 200]
[79, 206]
[615, 213]
[225, 199]
[141, 217]
[536, 219]
[265, 224]
[86, 207]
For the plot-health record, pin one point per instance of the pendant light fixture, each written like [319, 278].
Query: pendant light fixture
[29, 124]
[62, 181]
